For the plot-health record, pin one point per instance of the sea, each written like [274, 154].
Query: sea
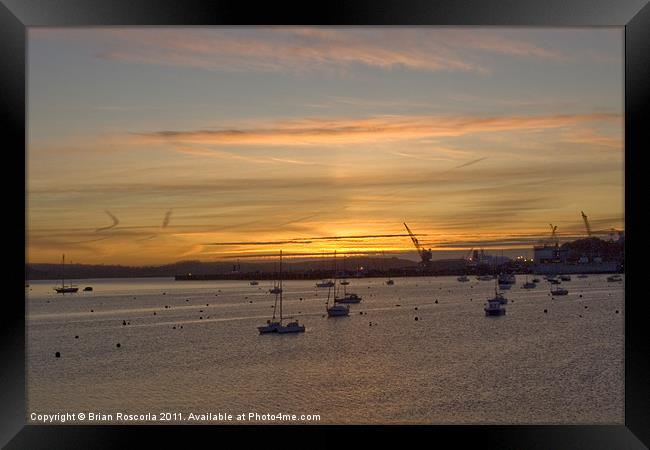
[422, 351]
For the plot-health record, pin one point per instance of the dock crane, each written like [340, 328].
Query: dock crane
[425, 255]
[553, 235]
[584, 217]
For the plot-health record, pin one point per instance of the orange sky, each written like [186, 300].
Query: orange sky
[149, 146]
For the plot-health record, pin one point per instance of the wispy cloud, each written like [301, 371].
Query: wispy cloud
[300, 49]
[312, 131]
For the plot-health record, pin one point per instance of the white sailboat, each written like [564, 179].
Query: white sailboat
[276, 326]
[337, 309]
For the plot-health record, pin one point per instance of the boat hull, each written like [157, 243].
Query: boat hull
[291, 329]
[269, 328]
[338, 312]
[66, 290]
[494, 312]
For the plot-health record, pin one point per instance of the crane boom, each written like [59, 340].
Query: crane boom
[553, 235]
[414, 239]
[425, 255]
[584, 217]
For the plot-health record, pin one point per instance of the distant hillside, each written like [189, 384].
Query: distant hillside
[81, 271]
[608, 250]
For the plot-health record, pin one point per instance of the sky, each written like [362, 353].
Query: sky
[155, 145]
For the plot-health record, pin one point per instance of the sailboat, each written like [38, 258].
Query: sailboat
[529, 284]
[347, 298]
[325, 283]
[65, 289]
[276, 326]
[336, 310]
[495, 305]
[344, 282]
[277, 288]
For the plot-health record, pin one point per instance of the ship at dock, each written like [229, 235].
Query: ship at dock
[588, 255]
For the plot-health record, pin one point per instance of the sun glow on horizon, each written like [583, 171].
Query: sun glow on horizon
[150, 146]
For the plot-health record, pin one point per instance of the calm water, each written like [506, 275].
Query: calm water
[452, 365]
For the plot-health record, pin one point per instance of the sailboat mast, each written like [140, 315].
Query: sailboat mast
[280, 286]
[335, 274]
[63, 271]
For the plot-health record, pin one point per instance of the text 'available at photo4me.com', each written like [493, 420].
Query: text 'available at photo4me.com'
[221, 417]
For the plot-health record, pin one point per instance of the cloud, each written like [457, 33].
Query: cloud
[314, 131]
[299, 49]
[309, 240]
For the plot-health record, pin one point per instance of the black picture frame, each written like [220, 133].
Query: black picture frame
[634, 15]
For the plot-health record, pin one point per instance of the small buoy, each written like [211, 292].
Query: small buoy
[416, 319]
[436, 302]
[154, 313]
[200, 310]
[370, 323]
[397, 304]
[118, 345]
[361, 313]
[579, 315]
[181, 326]
[92, 310]
[207, 304]
[545, 311]
[250, 301]
[164, 293]
[300, 298]
[617, 311]
[123, 322]
[76, 337]
[201, 318]
[187, 299]
[173, 328]
[585, 306]
[416, 308]
[57, 354]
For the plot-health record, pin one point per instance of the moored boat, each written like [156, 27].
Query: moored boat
[276, 326]
[559, 291]
[70, 289]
